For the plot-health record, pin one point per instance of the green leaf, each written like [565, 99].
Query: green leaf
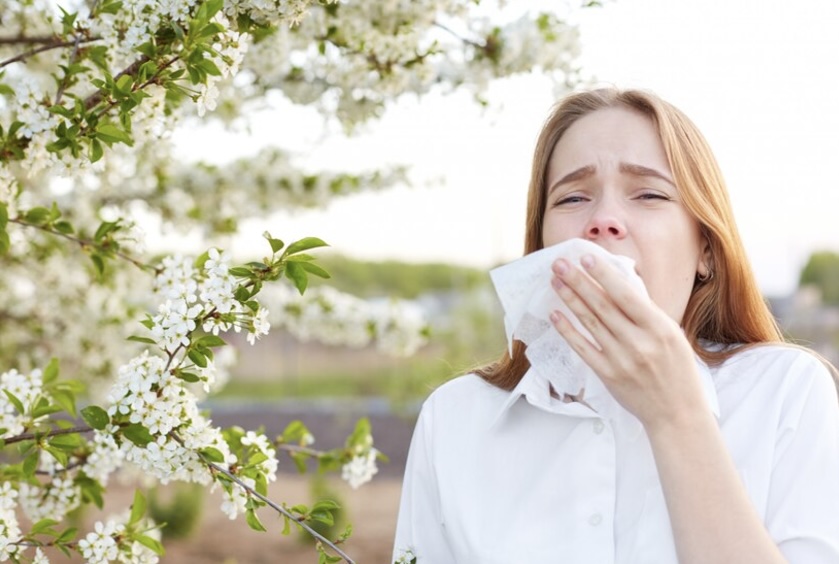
[105, 228]
[286, 525]
[304, 245]
[124, 83]
[98, 263]
[190, 377]
[109, 8]
[261, 484]
[30, 463]
[15, 402]
[212, 454]
[91, 490]
[5, 243]
[198, 358]
[58, 454]
[322, 516]
[137, 434]
[210, 341]
[109, 133]
[295, 272]
[44, 527]
[150, 543]
[314, 269]
[96, 417]
[294, 432]
[257, 458]
[51, 371]
[146, 340]
[4, 215]
[96, 150]
[37, 216]
[138, 508]
[67, 535]
[69, 441]
[276, 244]
[44, 407]
[240, 272]
[253, 521]
[66, 399]
[326, 505]
[63, 227]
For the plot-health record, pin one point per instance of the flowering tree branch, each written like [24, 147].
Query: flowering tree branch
[46, 434]
[279, 509]
[46, 45]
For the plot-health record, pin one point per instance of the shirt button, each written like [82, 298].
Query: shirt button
[595, 519]
[598, 427]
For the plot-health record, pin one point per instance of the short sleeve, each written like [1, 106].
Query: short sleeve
[419, 529]
[803, 504]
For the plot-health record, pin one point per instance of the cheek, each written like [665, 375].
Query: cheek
[554, 231]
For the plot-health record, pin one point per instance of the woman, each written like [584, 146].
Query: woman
[738, 460]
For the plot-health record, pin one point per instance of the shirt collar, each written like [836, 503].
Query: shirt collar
[537, 393]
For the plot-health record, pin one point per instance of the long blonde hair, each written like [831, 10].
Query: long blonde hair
[727, 308]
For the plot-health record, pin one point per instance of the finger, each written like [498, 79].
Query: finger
[590, 352]
[590, 302]
[581, 311]
[623, 295]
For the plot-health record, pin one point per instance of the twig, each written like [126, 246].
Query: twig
[300, 449]
[52, 433]
[24, 40]
[47, 47]
[63, 86]
[280, 509]
[455, 34]
[83, 243]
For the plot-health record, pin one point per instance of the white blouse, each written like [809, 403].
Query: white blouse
[520, 477]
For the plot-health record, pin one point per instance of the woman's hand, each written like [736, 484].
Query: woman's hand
[643, 357]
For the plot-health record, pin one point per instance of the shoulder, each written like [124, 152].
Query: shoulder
[469, 387]
[467, 396]
[778, 362]
[784, 375]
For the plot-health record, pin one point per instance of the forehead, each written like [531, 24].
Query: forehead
[606, 138]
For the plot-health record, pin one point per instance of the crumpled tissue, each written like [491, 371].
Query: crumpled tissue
[528, 298]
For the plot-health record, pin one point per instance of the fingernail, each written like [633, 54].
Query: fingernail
[561, 267]
[555, 317]
[557, 283]
[587, 261]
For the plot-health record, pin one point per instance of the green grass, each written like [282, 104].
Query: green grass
[406, 380]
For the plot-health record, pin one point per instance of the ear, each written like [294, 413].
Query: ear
[705, 268]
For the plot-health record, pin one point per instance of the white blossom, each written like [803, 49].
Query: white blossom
[52, 500]
[360, 469]
[9, 529]
[99, 546]
[26, 388]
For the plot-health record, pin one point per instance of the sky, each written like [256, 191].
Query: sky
[759, 78]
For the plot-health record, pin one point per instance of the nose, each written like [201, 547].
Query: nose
[605, 223]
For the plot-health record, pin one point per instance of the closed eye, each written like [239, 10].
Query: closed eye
[569, 200]
[654, 196]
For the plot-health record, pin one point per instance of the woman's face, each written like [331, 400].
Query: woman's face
[609, 182]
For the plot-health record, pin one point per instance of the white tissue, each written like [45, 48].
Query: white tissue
[528, 298]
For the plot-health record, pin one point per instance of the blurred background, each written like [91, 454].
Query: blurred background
[758, 78]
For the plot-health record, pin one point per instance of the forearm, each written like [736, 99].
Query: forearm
[712, 517]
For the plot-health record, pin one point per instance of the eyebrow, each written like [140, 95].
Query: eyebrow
[627, 168]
